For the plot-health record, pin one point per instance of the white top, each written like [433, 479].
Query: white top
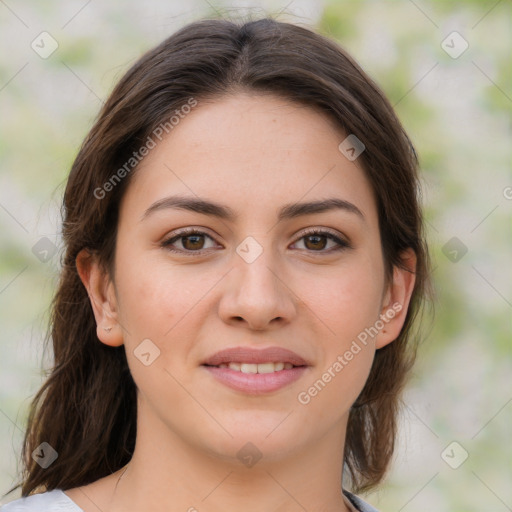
[51, 501]
[58, 501]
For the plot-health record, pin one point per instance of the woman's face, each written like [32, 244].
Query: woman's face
[277, 264]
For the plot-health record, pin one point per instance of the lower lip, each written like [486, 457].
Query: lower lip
[256, 383]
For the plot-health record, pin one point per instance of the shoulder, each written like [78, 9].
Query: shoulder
[359, 503]
[50, 501]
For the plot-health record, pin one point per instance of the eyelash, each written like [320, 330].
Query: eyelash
[342, 244]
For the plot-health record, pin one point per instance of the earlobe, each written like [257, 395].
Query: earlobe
[396, 301]
[100, 289]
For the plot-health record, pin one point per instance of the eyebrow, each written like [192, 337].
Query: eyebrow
[288, 211]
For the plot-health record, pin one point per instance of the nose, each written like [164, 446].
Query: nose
[257, 294]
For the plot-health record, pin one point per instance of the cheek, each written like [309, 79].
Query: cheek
[156, 303]
[157, 299]
[348, 299]
[348, 303]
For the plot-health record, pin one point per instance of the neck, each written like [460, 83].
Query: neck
[167, 474]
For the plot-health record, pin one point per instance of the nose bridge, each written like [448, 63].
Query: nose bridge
[258, 293]
[255, 268]
[261, 275]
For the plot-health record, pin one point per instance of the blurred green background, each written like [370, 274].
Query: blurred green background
[457, 110]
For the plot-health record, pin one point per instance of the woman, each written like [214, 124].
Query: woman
[244, 264]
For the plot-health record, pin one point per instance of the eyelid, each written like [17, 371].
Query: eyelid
[182, 233]
[323, 231]
[342, 242]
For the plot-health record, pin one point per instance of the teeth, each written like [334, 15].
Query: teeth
[266, 368]
[249, 368]
[257, 368]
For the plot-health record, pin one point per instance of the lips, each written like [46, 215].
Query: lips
[255, 356]
[247, 370]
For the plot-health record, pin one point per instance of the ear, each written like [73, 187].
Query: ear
[395, 303]
[101, 291]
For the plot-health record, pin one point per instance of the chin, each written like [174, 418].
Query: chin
[254, 434]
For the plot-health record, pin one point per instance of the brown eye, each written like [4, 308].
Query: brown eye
[193, 241]
[317, 241]
[190, 241]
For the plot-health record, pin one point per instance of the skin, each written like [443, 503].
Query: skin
[253, 153]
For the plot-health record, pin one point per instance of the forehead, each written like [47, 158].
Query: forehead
[254, 152]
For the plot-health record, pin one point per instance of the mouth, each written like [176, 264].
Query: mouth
[256, 372]
[256, 368]
[247, 357]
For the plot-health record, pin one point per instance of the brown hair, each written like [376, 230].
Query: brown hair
[86, 409]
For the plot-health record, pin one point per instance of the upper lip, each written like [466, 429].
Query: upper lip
[255, 356]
